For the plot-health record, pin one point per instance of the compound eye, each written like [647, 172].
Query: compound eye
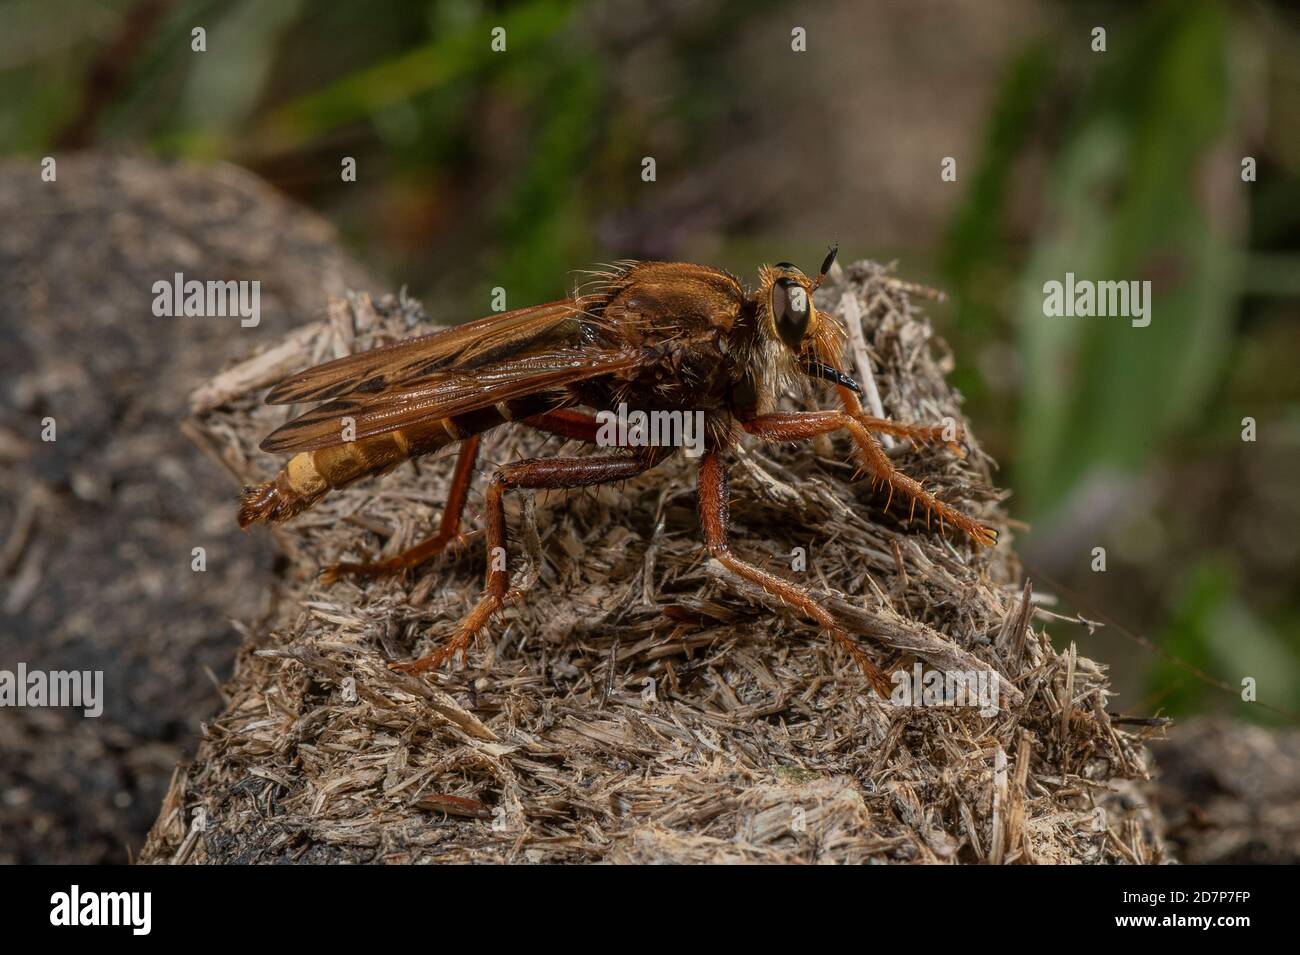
[790, 312]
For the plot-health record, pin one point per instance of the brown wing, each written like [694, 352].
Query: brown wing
[468, 345]
[448, 393]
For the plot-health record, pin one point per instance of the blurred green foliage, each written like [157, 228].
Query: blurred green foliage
[1141, 182]
[1124, 200]
[1212, 630]
[1127, 203]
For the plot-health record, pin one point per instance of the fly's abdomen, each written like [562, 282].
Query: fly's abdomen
[310, 475]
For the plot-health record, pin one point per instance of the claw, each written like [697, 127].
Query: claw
[331, 574]
[434, 660]
[396, 566]
[460, 641]
[413, 667]
[876, 677]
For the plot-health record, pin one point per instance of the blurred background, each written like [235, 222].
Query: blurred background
[478, 168]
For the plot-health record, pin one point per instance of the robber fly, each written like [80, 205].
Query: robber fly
[649, 335]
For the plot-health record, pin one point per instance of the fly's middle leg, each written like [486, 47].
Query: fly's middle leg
[713, 518]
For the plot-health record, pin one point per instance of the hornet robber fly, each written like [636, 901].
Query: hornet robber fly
[663, 336]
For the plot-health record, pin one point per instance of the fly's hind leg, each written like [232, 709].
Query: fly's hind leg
[448, 530]
[713, 518]
[552, 473]
[567, 423]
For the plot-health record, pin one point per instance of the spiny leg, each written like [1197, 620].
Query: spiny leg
[571, 424]
[948, 434]
[804, 425]
[713, 519]
[448, 529]
[552, 473]
[566, 423]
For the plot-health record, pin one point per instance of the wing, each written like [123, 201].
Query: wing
[464, 346]
[447, 393]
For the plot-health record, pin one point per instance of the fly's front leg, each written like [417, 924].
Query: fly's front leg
[948, 433]
[713, 518]
[448, 530]
[553, 473]
[805, 425]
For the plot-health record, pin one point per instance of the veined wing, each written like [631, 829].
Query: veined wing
[448, 393]
[474, 343]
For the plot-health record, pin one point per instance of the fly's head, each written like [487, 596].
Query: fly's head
[797, 338]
